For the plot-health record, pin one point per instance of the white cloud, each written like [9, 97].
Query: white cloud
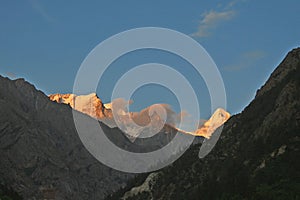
[210, 20]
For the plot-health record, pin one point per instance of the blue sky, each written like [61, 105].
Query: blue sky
[46, 41]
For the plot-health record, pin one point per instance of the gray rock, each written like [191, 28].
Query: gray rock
[41, 153]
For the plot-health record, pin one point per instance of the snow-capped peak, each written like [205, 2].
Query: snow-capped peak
[115, 114]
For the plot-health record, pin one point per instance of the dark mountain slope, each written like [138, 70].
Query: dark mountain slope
[257, 156]
[41, 153]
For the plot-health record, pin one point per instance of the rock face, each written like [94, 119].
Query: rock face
[257, 156]
[219, 117]
[206, 130]
[288, 65]
[41, 153]
[134, 124]
[88, 104]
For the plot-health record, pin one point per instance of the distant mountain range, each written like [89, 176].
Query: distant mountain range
[256, 156]
[42, 155]
[135, 123]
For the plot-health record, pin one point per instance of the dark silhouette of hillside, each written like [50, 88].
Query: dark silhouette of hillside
[257, 156]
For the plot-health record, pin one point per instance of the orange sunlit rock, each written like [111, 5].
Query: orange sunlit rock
[157, 117]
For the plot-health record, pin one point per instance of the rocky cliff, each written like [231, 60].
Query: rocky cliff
[41, 153]
[89, 104]
[135, 124]
[257, 156]
[42, 156]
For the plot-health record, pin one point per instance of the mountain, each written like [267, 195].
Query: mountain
[89, 104]
[42, 156]
[256, 157]
[135, 124]
[41, 153]
[219, 117]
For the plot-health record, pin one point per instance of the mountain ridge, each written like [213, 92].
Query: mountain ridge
[254, 157]
[41, 151]
[93, 106]
[42, 154]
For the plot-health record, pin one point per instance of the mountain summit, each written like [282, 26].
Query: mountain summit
[89, 104]
[136, 123]
[41, 154]
[256, 157]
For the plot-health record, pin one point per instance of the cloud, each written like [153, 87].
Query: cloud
[210, 20]
[40, 10]
[246, 60]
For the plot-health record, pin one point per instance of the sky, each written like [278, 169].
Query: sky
[45, 42]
